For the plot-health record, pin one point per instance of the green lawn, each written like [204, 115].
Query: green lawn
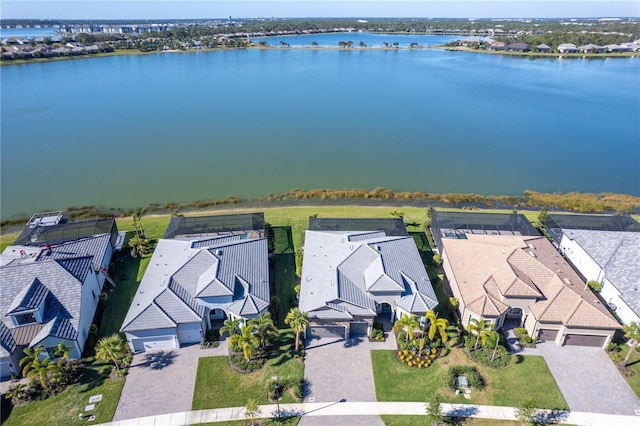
[128, 274]
[217, 385]
[64, 409]
[634, 365]
[508, 386]
[419, 420]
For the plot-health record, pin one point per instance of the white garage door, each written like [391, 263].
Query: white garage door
[189, 336]
[153, 343]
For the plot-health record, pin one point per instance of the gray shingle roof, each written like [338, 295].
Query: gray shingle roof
[191, 269]
[93, 246]
[345, 273]
[30, 298]
[618, 253]
[7, 343]
[54, 282]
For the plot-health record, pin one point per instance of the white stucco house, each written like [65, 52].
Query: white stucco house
[192, 282]
[604, 249]
[50, 289]
[350, 277]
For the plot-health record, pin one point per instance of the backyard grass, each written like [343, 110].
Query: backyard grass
[508, 386]
[127, 276]
[65, 408]
[218, 386]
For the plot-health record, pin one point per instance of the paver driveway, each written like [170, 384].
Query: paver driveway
[338, 370]
[588, 380]
[162, 382]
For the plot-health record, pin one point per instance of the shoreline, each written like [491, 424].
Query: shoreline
[125, 52]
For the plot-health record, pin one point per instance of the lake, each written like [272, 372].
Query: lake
[125, 131]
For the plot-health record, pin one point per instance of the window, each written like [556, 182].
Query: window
[516, 311]
[94, 294]
[51, 351]
[24, 319]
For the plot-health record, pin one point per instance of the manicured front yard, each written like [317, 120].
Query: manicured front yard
[217, 385]
[419, 420]
[508, 386]
[634, 365]
[65, 408]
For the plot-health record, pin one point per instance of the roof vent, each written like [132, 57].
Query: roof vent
[567, 280]
[531, 246]
[532, 254]
[501, 250]
[378, 248]
[219, 252]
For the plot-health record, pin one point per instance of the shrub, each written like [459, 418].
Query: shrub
[520, 332]
[483, 356]
[473, 376]
[594, 285]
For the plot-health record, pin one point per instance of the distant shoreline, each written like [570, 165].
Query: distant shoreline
[125, 52]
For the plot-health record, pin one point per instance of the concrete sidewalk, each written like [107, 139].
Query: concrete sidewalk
[373, 408]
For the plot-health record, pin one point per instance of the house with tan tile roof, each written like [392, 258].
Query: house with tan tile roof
[524, 279]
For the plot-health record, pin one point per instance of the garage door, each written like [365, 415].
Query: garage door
[547, 335]
[189, 336]
[153, 343]
[584, 340]
[358, 328]
[5, 369]
[327, 331]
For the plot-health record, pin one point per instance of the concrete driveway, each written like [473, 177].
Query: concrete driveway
[338, 370]
[588, 380]
[162, 382]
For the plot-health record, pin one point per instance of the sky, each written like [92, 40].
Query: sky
[158, 9]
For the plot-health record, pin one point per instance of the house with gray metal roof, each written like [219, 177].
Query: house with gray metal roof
[605, 249]
[50, 294]
[350, 277]
[192, 283]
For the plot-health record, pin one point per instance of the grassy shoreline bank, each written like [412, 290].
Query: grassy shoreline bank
[529, 200]
[122, 52]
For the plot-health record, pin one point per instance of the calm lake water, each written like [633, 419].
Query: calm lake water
[126, 131]
[27, 32]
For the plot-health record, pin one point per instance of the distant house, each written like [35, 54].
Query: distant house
[568, 48]
[351, 276]
[605, 249]
[518, 47]
[543, 48]
[50, 290]
[615, 48]
[208, 270]
[510, 279]
[592, 48]
[496, 45]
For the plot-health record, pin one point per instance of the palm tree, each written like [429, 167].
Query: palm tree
[478, 328]
[298, 321]
[111, 348]
[40, 368]
[409, 323]
[437, 325]
[30, 356]
[631, 332]
[231, 327]
[264, 328]
[63, 353]
[247, 340]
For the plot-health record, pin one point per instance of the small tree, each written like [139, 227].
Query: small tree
[111, 348]
[526, 411]
[437, 325]
[594, 285]
[542, 217]
[252, 411]
[264, 328]
[433, 410]
[298, 321]
[479, 328]
[63, 353]
[454, 303]
[230, 327]
[408, 323]
[631, 332]
[437, 259]
[247, 340]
